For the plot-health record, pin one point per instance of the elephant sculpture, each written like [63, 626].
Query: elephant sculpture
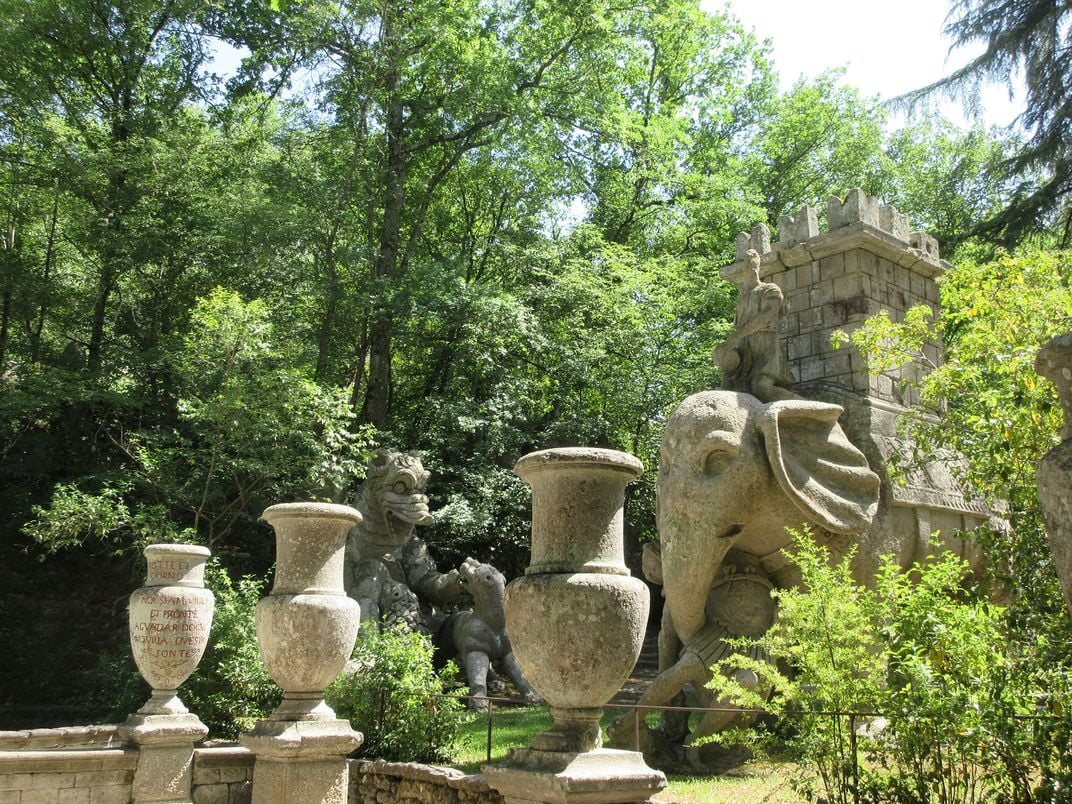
[478, 637]
[735, 473]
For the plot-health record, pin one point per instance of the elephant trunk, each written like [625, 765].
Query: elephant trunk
[689, 565]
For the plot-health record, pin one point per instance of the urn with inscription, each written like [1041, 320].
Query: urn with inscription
[307, 626]
[170, 618]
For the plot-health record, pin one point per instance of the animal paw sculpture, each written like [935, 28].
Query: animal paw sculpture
[478, 638]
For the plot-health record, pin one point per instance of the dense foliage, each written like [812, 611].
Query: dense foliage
[994, 410]
[1028, 41]
[900, 693]
[472, 229]
[230, 689]
[392, 694]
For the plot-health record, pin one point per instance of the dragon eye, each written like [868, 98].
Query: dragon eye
[401, 487]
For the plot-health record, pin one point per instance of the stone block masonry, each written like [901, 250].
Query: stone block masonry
[84, 765]
[868, 262]
[379, 782]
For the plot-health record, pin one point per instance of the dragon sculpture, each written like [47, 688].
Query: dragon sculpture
[383, 551]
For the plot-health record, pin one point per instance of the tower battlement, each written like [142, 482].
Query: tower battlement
[867, 262]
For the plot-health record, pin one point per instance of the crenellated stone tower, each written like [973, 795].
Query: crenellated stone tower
[868, 262]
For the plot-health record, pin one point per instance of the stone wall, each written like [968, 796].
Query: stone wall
[223, 775]
[67, 776]
[866, 263]
[86, 765]
[379, 782]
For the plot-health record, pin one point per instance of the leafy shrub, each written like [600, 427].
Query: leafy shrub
[392, 694]
[927, 656]
[231, 689]
[826, 632]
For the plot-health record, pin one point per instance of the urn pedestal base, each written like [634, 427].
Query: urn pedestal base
[603, 776]
[166, 755]
[301, 761]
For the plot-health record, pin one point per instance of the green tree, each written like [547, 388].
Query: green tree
[251, 429]
[107, 77]
[948, 180]
[994, 410]
[817, 138]
[1028, 38]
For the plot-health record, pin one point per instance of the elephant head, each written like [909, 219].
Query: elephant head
[736, 472]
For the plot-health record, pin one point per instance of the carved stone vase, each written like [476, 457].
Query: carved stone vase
[170, 618]
[307, 625]
[576, 619]
[306, 629]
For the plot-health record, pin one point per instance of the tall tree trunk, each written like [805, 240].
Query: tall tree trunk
[375, 409]
[50, 256]
[115, 208]
[5, 321]
[327, 325]
[100, 308]
[8, 260]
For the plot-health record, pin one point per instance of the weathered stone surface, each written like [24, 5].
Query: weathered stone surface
[605, 776]
[380, 782]
[582, 532]
[103, 736]
[306, 627]
[894, 222]
[211, 794]
[305, 630]
[170, 618]
[793, 230]
[857, 207]
[163, 774]
[1054, 361]
[724, 487]
[759, 240]
[300, 761]
[577, 618]
[752, 359]
[389, 569]
[575, 632]
[391, 573]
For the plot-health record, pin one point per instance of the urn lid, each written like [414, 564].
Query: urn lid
[579, 457]
[303, 510]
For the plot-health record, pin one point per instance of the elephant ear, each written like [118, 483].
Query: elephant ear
[818, 467]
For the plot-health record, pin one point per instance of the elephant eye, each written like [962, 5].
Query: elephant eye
[718, 460]
[718, 449]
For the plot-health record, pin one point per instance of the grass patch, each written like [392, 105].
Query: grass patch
[514, 727]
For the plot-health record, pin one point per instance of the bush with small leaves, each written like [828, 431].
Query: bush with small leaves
[392, 694]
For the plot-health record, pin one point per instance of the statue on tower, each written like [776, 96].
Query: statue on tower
[751, 359]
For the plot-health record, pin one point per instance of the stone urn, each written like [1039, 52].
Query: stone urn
[577, 617]
[170, 618]
[307, 625]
